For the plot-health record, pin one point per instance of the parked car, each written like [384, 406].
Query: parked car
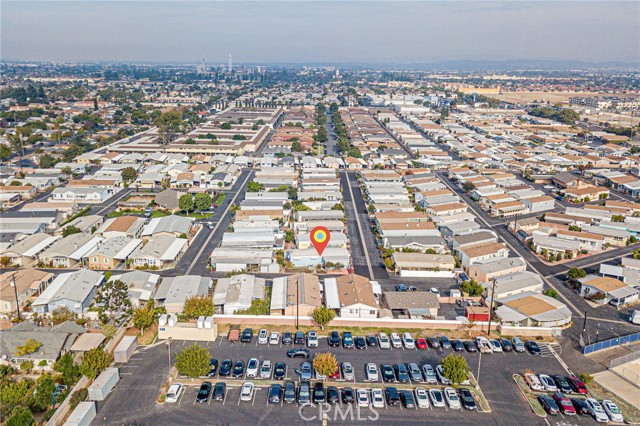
[334, 339]
[495, 345]
[348, 396]
[274, 338]
[533, 347]
[401, 287]
[436, 397]
[612, 411]
[362, 395]
[247, 335]
[275, 392]
[408, 342]
[204, 392]
[298, 353]
[596, 410]
[547, 383]
[263, 337]
[265, 370]
[360, 343]
[372, 341]
[388, 376]
[279, 371]
[289, 392]
[434, 291]
[174, 392]
[533, 382]
[213, 367]
[406, 397]
[445, 343]
[319, 394]
[392, 396]
[304, 393]
[415, 373]
[377, 398]
[219, 390]
[468, 401]
[457, 345]
[402, 375]
[312, 339]
[548, 404]
[434, 342]
[238, 369]
[287, 338]
[581, 407]
[577, 385]
[384, 341]
[429, 374]
[252, 368]
[298, 339]
[421, 343]
[564, 404]
[333, 395]
[396, 342]
[518, 344]
[441, 376]
[347, 340]
[347, 371]
[246, 392]
[225, 368]
[305, 371]
[452, 399]
[507, 346]
[422, 397]
[470, 346]
[562, 383]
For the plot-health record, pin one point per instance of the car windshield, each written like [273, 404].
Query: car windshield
[347, 369]
[614, 409]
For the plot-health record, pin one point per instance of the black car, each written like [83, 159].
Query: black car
[532, 347]
[274, 394]
[334, 339]
[203, 393]
[238, 369]
[304, 393]
[581, 407]
[333, 396]
[279, 371]
[467, 399]
[506, 344]
[444, 342]
[298, 353]
[219, 391]
[470, 346]
[287, 338]
[299, 338]
[361, 343]
[392, 396]
[247, 335]
[548, 404]
[289, 392]
[319, 395]
[457, 345]
[562, 383]
[225, 367]
[372, 341]
[213, 367]
[348, 396]
[347, 340]
[406, 397]
[388, 376]
[402, 375]
[434, 342]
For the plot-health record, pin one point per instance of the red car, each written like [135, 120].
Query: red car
[565, 404]
[421, 343]
[577, 385]
[336, 375]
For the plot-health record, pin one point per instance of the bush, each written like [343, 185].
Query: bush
[94, 361]
[193, 361]
[77, 397]
[586, 378]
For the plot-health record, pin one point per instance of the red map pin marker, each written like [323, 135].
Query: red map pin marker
[320, 237]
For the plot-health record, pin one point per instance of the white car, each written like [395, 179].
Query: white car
[383, 341]
[548, 187]
[435, 291]
[596, 410]
[363, 397]
[265, 371]
[377, 398]
[435, 395]
[246, 393]
[452, 398]
[395, 341]
[408, 341]
[422, 398]
[547, 383]
[429, 374]
[174, 392]
[483, 344]
[312, 339]
[274, 338]
[612, 411]
[371, 371]
[533, 382]
[263, 338]
[347, 371]
[440, 373]
[495, 345]
[252, 367]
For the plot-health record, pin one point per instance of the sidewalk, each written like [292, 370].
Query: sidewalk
[620, 387]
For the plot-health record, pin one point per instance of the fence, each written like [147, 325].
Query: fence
[606, 344]
[626, 368]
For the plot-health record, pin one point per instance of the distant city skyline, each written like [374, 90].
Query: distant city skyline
[417, 32]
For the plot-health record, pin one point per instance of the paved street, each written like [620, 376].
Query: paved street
[332, 141]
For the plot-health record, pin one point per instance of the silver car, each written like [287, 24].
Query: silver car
[372, 372]
[265, 371]
[429, 374]
[305, 371]
[347, 371]
[414, 372]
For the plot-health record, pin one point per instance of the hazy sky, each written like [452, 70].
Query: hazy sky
[320, 31]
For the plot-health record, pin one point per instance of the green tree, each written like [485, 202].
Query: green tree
[586, 378]
[67, 368]
[551, 293]
[185, 202]
[289, 236]
[225, 126]
[109, 330]
[67, 171]
[62, 314]
[197, 306]
[21, 416]
[94, 362]
[468, 186]
[323, 315]
[325, 364]
[455, 368]
[202, 201]
[144, 316]
[113, 298]
[14, 393]
[258, 307]
[576, 273]
[70, 230]
[575, 228]
[472, 288]
[5, 152]
[45, 386]
[238, 137]
[296, 146]
[168, 124]
[29, 347]
[26, 366]
[255, 187]
[193, 361]
[128, 174]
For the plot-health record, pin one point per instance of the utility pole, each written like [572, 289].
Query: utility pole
[169, 349]
[298, 300]
[15, 289]
[493, 292]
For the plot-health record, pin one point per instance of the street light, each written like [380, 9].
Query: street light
[169, 349]
[15, 289]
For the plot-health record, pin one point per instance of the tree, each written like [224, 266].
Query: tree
[70, 230]
[67, 171]
[94, 361]
[472, 288]
[202, 201]
[586, 378]
[576, 273]
[289, 236]
[193, 361]
[468, 186]
[5, 152]
[144, 316]
[29, 347]
[185, 202]
[197, 306]
[255, 187]
[325, 364]
[258, 307]
[323, 315]
[168, 124]
[225, 126]
[67, 368]
[551, 293]
[455, 368]
[62, 314]
[26, 366]
[45, 386]
[21, 416]
[295, 145]
[113, 298]
[575, 228]
[292, 193]
[109, 330]
[128, 174]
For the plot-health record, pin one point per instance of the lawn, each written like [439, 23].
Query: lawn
[220, 199]
[531, 398]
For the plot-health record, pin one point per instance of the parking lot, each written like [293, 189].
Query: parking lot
[507, 405]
